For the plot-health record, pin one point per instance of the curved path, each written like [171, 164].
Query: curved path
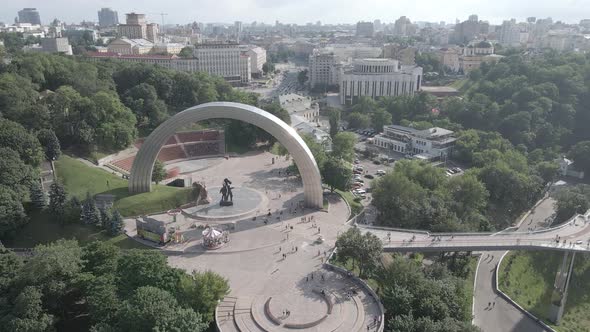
[503, 315]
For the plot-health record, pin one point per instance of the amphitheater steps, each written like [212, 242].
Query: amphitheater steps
[243, 316]
[225, 314]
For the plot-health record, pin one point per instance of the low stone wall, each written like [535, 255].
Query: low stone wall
[362, 284]
[269, 314]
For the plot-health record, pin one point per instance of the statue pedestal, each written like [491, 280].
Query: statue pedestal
[226, 203]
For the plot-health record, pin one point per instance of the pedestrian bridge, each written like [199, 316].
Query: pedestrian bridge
[573, 235]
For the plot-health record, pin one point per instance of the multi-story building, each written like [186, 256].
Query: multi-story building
[378, 78]
[510, 33]
[51, 45]
[406, 55]
[449, 57]
[225, 60]
[107, 17]
[365, 29]
[428, 144]
[321, 69]
[29, 15]
[127, 46]
[152, 30]
[257, 58]
[403, 27]
[475, 54]
[168, 48]
[136, 27]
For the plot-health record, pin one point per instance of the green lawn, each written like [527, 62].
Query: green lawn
[79, 179]
[528, 277]
[355, 207]
[41, 230]
[469, 283]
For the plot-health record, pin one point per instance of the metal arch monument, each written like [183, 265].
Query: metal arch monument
[141, 172]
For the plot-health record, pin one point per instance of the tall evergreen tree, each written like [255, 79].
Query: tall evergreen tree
[57, 200]
[106, 218]
[50, 144]
[38, 197]
[90, 213]
[116, 223]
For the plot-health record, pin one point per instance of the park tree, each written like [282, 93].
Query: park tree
[365, 105]
[343, 146]
[27, 313]
[16, 137]
[202, 291]
[336, 174]
[334, 115]
[15, 174]
[580, 153]
[186, 52]
[570, 201]
[57, 200]
[547, 170]
[153, 309]
[146, 268]
[380, 118]
[302, 77]
[18, 101]
[268, 67]
[363, 250]
[158, 172]
[143, 100]
[116, 224]
[12, 213]
[50, 144]
[106, 218]
[38, 197]
[358, 120]
[90, 215]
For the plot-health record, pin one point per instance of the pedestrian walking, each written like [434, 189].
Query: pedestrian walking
[279, 249]
[295, 248]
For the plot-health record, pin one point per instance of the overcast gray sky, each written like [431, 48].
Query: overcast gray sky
[302, 11]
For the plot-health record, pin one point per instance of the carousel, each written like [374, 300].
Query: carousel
[214, 238]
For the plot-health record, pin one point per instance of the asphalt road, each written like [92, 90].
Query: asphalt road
[502, 315]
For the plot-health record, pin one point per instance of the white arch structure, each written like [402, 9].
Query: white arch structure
[141, 172]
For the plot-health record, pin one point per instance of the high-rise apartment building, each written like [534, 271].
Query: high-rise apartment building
[322, 69]
[403, 27]
[107, 17]
[365, 29]
[29, 15]
[136, 27]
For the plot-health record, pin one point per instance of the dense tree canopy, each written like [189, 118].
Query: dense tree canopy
[136, 291]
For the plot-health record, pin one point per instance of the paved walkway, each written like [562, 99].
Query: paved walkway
[503, 315]
[253, 260]
[574, 236]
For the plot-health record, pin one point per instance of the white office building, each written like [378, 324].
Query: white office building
[257, 58]
[378, 78]
[428, 144]
[226, 60]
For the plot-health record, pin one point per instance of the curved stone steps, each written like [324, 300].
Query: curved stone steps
[225, 322]
[359, 324]
[243, 316]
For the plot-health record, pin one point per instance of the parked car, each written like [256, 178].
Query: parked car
[369, 176]
[357, 185]
[457, 169]
[359, 191]
[356, 171]
[380, 172]
[356, 161]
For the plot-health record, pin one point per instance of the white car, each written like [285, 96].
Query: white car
[380, 172]
[359, 191]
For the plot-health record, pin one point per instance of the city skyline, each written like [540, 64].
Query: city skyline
[328, 11]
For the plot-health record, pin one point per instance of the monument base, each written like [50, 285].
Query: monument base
[226, 203]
